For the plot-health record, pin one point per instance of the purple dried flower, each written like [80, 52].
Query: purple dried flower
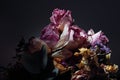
[78, 32]
[97, 38]
[105, 49]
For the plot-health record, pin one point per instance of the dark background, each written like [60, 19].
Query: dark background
[26, 18]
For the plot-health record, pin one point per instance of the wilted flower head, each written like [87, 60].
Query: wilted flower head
[98, 37]
[60, 16]
[59, 19]
[110, 68]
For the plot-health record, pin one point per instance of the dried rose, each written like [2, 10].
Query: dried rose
[60, 16]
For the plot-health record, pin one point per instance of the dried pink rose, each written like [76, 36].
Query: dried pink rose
[59, 16]
[51, 33]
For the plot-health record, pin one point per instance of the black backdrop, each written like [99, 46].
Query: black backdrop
[26, 18]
